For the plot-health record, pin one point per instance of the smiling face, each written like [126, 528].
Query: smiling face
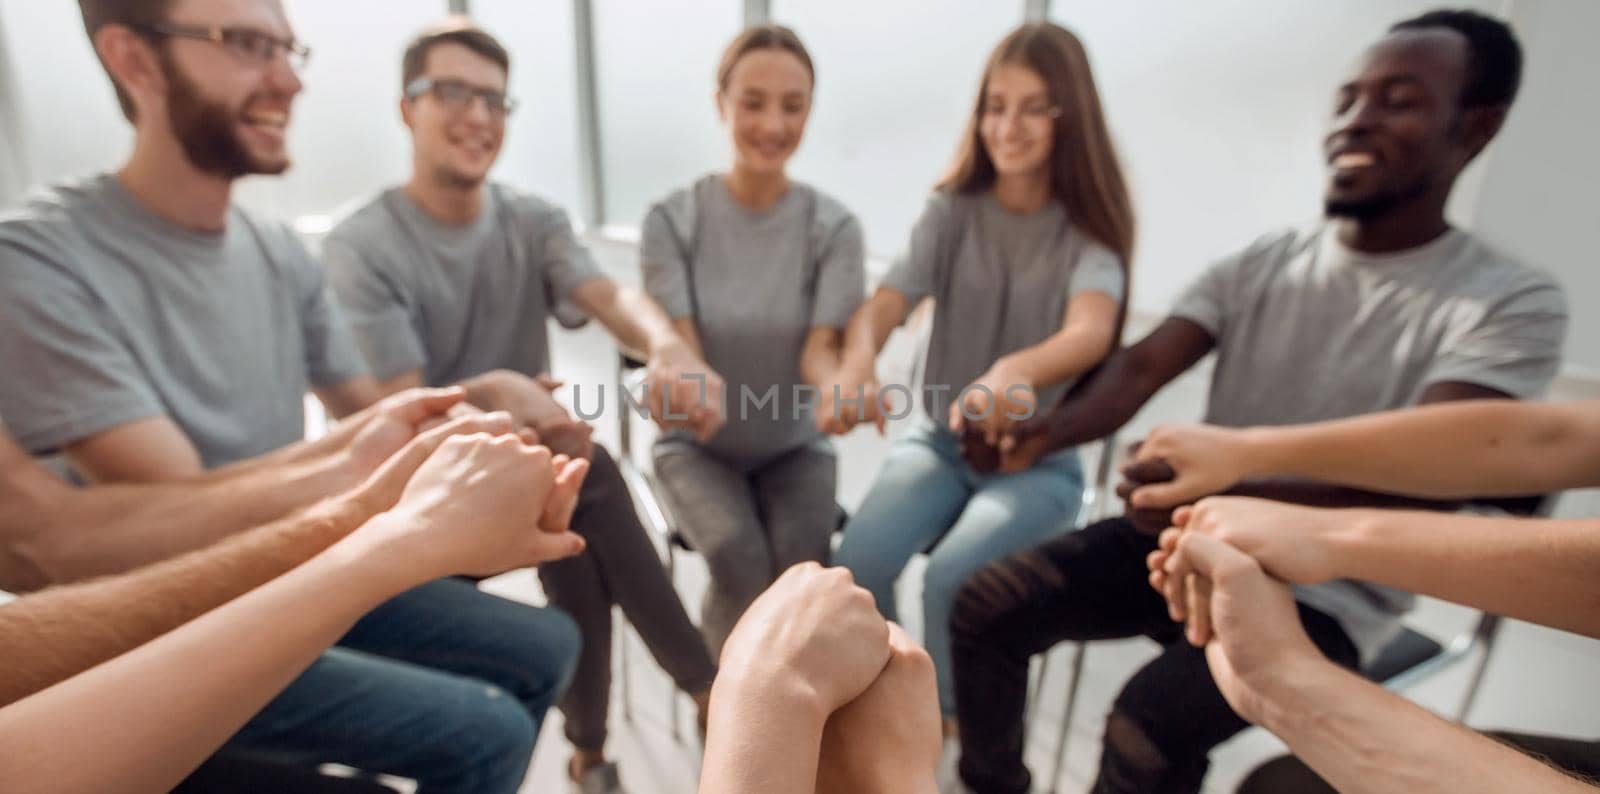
[457, 145]
[229, 113]
[765, 104]
[1396, 132]
[1017, 121]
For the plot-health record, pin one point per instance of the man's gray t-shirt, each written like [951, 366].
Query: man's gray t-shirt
[762, 281]
[1309, 330]
[1001, 282]
[455, 301]
[110, 314]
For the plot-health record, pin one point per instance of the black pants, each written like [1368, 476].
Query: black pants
[1287, 775]
[1091, 585]
[620, 567]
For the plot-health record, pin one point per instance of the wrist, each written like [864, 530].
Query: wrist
[1295, 693]
[383, 544]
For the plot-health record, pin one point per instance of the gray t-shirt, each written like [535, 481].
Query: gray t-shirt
[762, 281]
[111, 314]
[1308, 330]
[1001, 282]
[455, 301]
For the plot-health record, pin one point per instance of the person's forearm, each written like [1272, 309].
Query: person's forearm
[110, 529]
[869, 329]
[1105, 400]
[637, 323]
[822, 357]
[71, 628]
[763, 736]
[144, 720]
[1361, 737]
[1478, 448]
[1464, 558]
[1058, 359]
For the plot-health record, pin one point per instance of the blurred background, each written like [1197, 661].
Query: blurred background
[1218, 108]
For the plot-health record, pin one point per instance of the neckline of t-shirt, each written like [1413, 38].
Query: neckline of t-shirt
[1051, 209]
[1432, 251]
[118, 195]
[450, 232]
[754, 214]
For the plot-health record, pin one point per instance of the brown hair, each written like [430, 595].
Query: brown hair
[454, 29]
[1084, 172]
[762, 37]
[137, 15]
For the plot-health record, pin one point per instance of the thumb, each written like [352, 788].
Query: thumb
[422, 404]
[1209, 556]
[1159, 495]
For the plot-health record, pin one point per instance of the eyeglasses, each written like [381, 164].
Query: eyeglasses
[457, 96]
[255, 47]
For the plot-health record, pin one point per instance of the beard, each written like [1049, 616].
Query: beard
[1376, 205]
[205, 130]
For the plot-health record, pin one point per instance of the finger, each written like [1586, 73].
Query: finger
[1181, 516]
[552, 546]
[1166, 494]
[956, 423]
[1156, 559]
[563, 499]
[1199, 597]
[529, 436]
[1169, 540]
[548, 382]
[1150, 471]
[416, 405]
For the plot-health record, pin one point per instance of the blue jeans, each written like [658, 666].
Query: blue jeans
[442, 684]
[926, 495]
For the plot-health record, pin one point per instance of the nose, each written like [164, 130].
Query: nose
[1361, 116]
[282, 78]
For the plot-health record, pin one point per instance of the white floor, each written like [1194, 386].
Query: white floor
[1558, 696]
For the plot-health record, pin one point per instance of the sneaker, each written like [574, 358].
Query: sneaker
[601, 779]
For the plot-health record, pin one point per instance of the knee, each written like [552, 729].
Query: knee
[503, 735]
[550, 658]
[1131, 754]
[980, 605]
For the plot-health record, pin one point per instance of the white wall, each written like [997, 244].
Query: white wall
[1538, 197]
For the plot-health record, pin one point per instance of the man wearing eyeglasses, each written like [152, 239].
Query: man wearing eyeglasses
[151, 329]
[450, 278]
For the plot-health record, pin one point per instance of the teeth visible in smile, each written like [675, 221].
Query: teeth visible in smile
[1354, 160]
[265, 118]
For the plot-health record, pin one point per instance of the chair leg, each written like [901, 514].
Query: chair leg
[621, 644]
[1073, 680]
[1039, 664]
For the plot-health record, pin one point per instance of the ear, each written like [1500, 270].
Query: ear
[717, 98]
[131, 61]
[405, 114]
[1479, 126]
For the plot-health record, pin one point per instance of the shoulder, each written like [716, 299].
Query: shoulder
[535, 213]
[1492, 271]
[50, 221]
[363, 219]
[830, 216]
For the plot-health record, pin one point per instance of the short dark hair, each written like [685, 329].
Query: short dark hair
[1494, 58]
[453, 29]
[138, 15]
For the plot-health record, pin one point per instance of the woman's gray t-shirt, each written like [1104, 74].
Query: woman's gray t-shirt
[1001, 282]
[761, 281]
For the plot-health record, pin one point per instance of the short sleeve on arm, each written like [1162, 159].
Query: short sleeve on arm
[1098, 270]
[841, 275]
[69, 374]
[377, 305]
[1213, 297]
[661, 264]
[915, 274]
[1515, 347]
[332, 356]
[564, 263]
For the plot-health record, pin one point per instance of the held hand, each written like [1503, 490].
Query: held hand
[1024, 444]
[860, 399]
[370, 436]
[1205, 460]
[382, 489]
[887, 739]
[814, 633]
[994, 404]
[531, 404]
[1252, 633]
[684, 392]
[1290, 542]
[1150, 521]
[563, 499]
[474, 507]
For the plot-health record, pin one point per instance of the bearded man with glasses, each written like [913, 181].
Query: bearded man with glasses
[154, 330]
